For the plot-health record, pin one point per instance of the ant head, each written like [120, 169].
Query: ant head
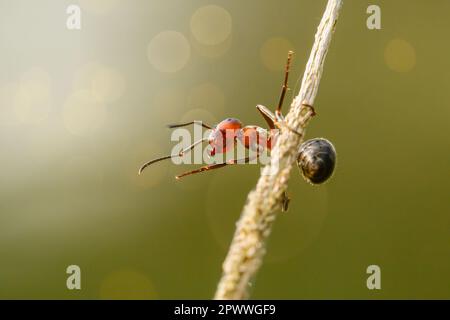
[229, 124]
[224, 135]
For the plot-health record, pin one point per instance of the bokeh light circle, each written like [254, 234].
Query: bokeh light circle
[33, 98]
[169, 51]
[83, 114]
[212, 52]
[274, 52]
[7, 96]
[108, 85]
[400, 55]
[105, 83]
[84, 75]
[211, 25]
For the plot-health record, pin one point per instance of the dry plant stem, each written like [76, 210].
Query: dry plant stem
[255, 224]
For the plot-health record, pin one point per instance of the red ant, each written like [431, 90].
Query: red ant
[223, 136]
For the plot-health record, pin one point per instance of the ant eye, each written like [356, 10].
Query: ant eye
[316, 159]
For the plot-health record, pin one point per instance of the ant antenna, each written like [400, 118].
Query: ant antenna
[180, 154]
[195, 122]
[145, 165]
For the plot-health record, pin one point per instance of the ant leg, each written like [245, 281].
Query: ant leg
[277, 118]
[178, 125]
[272, 120]
[285, 202]
[310, 107]
[284, 87]
[180, 154]
[215, 166]
[267, 115]
[279, 123]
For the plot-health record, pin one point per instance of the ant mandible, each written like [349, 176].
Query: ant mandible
[224, 135]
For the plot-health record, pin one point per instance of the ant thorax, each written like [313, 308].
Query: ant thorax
[254, 138]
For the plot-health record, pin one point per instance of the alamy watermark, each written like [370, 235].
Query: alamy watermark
[73, 281]
[247, 145]
[374, 280]
[374, 20]
[73, 21]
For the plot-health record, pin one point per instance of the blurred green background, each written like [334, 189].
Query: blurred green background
[81, 110]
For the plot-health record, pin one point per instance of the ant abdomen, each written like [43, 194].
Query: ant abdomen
[316, 159]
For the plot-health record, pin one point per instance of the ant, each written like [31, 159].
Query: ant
[225, 134]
